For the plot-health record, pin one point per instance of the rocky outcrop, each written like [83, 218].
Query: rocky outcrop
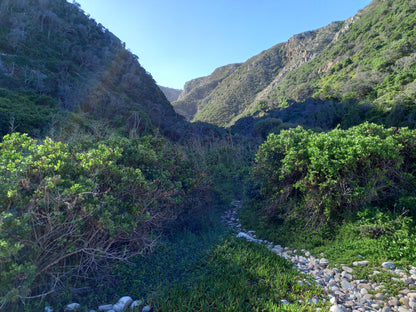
[303, 48]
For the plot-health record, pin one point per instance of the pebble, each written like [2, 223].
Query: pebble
[72, 307]
[346, 294]
[361, 263]
[388, 265]
[336, 308]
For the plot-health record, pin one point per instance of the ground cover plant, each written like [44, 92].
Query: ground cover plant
[240, 276]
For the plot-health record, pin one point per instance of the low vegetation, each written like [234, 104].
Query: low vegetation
[241, 276]
[342, 192]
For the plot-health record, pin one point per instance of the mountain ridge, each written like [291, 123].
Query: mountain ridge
[366, 59]
[52, 49]
[278, 61]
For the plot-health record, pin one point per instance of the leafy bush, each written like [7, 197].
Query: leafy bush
[67, 209]
[328, 176]
[25, 111]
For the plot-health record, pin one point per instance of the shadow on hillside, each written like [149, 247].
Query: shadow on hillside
[311, 113]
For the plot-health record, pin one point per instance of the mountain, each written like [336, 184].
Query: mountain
[369, 59]
[55, 60]
[170, 93]
[190, 100]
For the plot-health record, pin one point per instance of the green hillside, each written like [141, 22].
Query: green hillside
[189, 101]
[367, 59]
[372, 62]
[55, 57]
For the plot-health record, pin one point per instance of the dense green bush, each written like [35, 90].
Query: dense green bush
[25, 111]
[321, 177]
[67, 209]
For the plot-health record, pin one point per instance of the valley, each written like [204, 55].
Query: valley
[283, 183]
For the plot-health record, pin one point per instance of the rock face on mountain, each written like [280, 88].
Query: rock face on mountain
[222, 101]
[53, 58]
[170, 93]
[200, 88]
[367, 59]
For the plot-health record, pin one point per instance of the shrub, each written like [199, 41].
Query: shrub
[67, 209]
[327, 176]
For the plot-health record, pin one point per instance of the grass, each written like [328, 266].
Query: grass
[210, 270]
[239, 276]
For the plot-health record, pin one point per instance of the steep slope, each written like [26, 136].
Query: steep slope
[170, 93]
[373, 62]
[368, 59]
[238, 90]
[54, 58]
[198, 89]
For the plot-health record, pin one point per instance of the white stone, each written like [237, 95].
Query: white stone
[346, 285]
[336, 308]
[388, 265]
[105, 307]
[118, 307]
[122, 304]
[72, 307]
[246, 236]
[324, 262]
[136, 304]
[379, 296]
[284, 301]
[48, 309]
[411, 295]
[346, 275]
[361, 263]
[146, 309]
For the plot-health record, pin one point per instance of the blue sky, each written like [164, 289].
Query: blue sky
[179, 40]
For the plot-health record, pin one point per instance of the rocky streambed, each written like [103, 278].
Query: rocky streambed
[345, 293]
